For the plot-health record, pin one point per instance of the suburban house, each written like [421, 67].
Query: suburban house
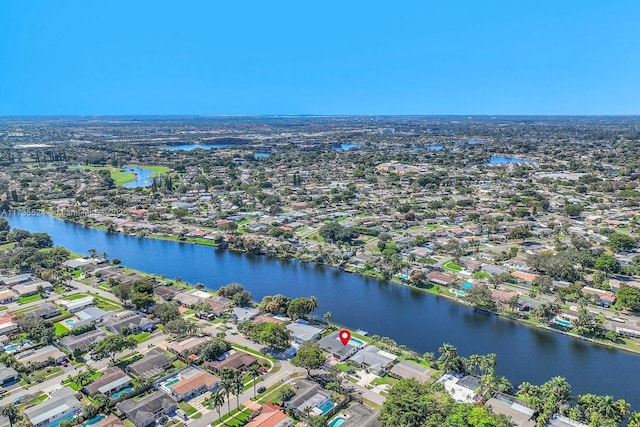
[15, 280]
[77, 263]
[607, 298]
[110, 421]
[146, 411]
[194, 382]
[153, 363]
[373, 359]
[332, 344]
[41, 357]
[7, 296]
[8, 375]
[76, 304]
[405, 369]
[82, 341]
[112, 380]
[180, 347]
[128, 319]
[192, 297]
[302, 331]
[526, 278]
[28, 289]
[560, 421]
[241, 314]
[46, 310]
[91, 315]
[517, 411]
[462, 388]
[270, 415]
[61, 403]
[237, 361]
[440, 278]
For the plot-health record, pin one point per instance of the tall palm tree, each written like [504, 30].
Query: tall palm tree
[328, 317]
[623, 407]
[238, 386]
[254, 371]
[226, 383]
[217, 400]
[10, 411]
[634, 419]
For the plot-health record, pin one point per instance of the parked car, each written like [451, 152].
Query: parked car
[262, 389]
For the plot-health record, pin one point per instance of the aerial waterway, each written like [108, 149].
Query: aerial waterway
[418, 320]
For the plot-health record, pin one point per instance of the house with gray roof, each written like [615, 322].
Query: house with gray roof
[112, 380]
[332, 344]
[153, 363]
[44, 311]
[61, 404]
[40, 357]
[146, 411]
[91, 315]
[405, 369]
[82, 341]
[8, 375]
[373, 359]
[77, 304]
[128, 319]
[302, 331]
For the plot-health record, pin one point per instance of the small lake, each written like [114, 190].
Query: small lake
[190, 147]
[501, 160]
[474, 142]
[143, 177]
[347, 147]
[260, 154]
[430, 148]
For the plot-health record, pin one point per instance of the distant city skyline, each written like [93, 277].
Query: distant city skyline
[460, 58]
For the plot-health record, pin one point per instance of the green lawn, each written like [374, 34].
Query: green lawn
[142, 336]
[121, 177]
[25, 300]
[74, 297]
[384, 380]
[450, 265]
[60, 329]
[481, 275]
[188, 409]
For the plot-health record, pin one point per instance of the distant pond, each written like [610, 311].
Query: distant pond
[500, 160]
[143, 177]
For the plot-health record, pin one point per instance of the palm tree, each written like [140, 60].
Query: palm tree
[226, 383]
[10, 411]
[328, 317]
[634, 419]
[313, 303]
[217, 400]
[254, 371]
[623, 407]
[238, 386]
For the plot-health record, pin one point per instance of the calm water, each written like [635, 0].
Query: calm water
[420, 321]
[347, 147]
[259, 154]
[143, 177]
[500, 160]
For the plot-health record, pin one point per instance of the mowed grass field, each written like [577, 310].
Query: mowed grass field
[121, 177]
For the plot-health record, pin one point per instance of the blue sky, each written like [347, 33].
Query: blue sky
[319, 57]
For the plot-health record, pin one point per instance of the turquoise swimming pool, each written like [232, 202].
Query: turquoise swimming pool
[562, 322]
[355, 341]
[172, 382]
[337, 422]
[467, 285]
[68, 322]
[122, 392]
[326, 407]
[94, 420]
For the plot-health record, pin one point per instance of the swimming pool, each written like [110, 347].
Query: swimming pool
[562, 322]
[326, 407]
[355, 341]
[467, 285]
[122, 392]
[65, 418]
[14, 347]
[337, 422]
[172, 382]
[68, 322]
[458, 292]
[94, 420]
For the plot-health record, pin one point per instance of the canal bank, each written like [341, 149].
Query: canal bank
[407, 315]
